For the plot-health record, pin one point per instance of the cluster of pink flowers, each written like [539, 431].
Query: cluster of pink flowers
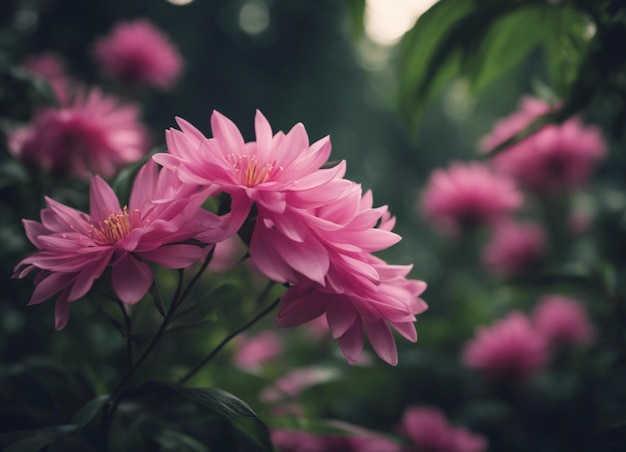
[518, 346]
[312, 230]
[556, 158]
[92, 132]
[421, 429]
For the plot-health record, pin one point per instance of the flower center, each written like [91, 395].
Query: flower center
[116, 226]
[251, 172]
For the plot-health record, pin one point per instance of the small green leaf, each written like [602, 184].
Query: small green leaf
[90, 410]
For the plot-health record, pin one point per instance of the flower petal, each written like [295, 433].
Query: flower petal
[131, 279]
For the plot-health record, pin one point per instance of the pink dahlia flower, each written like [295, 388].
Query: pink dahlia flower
[555, 158]
[351, 439]
[510, 349]
[139, 54]
[252, 352]
[93, 133]
[467, 195]
[514, 248]
[563, 321]
[50, 66]
[74, 248]
[313, 229]
[270, 172]
[386, 300]
[429, 430]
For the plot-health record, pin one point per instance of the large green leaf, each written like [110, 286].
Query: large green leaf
[480, 41]
[418, 54]
[507, 43]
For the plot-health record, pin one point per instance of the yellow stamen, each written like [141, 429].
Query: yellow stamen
[117, 226]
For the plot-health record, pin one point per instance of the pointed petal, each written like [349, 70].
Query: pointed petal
[50, 285]
[131, 279]
[351, 343]
[382, 341]
[143, 187]
[103, 200]
[340, 316]
[227, 133]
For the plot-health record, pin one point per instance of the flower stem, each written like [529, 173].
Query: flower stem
[177, 300]
[129, 344]
[226, 340]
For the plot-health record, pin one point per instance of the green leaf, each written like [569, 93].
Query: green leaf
[482, 41]
[507, 43]
[420, 65]
[226, 406]
[177, 441]
[356, 13]
[564, 46]
[90, 410]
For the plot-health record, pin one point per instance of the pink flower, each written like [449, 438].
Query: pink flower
[74, 248]
[555, 158]
[530, 108]
[563, 321]
[295, 381]
[253, 352]
[93, 133]
[390, 301]
[270, 172]
[510, 349]
[313, 230]
[137, 54]
[514, 248]
[352, 438]
[467, 195]
[429, 430]
[50, 66]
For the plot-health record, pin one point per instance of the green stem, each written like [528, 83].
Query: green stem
[129, 344]
[169, 317]
[226, 340]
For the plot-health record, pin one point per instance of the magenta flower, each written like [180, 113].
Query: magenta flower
[563, 321]
[74, 248]
[514, 248]
[389, 299]
[267, 171]
[252, 352]
[429, 430]
[313, 230]
[530, 108]
[509, 350]
[51, 67]
[93, 133]
[352, 439]
[138, 54]
[295, 381]
[467, 195]
[555, 158]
